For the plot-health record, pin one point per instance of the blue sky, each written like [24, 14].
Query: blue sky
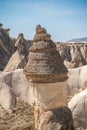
[63, 19]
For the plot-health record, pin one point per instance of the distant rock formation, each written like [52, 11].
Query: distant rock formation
[77, 79]
[73, 54]
[6, 46]
[20, 57]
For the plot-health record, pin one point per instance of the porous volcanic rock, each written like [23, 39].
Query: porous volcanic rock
[44, 64]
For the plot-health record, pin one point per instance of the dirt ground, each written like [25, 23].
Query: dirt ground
[21, 118]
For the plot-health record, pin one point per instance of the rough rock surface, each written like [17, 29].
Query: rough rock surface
[41, 34]
[73, 54]
[6, 46]
[56, 119]
[44, 64]
[78, 106]
[77, 79]
[17, 81]
[7, 97]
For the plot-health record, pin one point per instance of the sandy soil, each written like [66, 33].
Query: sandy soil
[20, 119]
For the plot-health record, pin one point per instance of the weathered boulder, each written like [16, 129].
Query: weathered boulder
[78, 106]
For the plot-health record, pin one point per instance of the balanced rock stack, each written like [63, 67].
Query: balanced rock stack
[44, 64]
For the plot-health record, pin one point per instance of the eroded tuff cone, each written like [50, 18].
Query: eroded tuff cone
[20, 39]
[44, 64]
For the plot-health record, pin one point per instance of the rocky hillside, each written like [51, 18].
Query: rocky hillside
[6, 46]
[73, 54]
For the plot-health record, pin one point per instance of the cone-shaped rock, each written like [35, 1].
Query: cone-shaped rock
[44, 64]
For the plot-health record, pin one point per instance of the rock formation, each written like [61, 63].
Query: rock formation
[40, 67]
[6, 46]
[21, 88]
[73, 54]
[46, 73]
[20, 57]
[7, 97]
[77, 79]
[18, 83]
[56, 119]
[78, 106]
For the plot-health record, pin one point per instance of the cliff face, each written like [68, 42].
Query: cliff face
[73, 54]
[6, 47]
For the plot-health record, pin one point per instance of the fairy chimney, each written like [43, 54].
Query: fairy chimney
[46, 72]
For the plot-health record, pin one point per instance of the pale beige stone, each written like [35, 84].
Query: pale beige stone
[51, 95]
[7, 98]
[13, 62]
